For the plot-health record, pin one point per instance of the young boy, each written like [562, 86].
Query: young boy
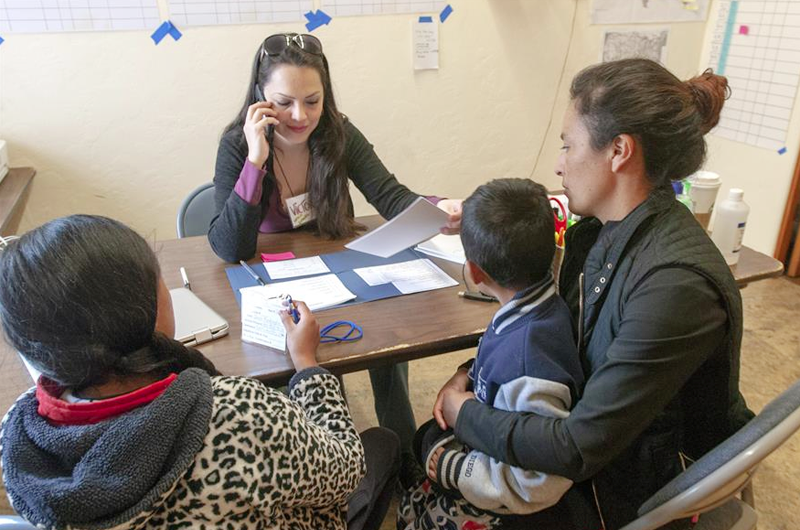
[527, 361]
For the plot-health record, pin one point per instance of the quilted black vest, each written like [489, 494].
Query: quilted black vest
[659, 233]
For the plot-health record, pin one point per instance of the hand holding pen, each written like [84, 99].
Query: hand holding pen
[302, 336]
[291, 307]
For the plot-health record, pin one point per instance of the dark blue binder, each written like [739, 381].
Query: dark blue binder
[341, 264]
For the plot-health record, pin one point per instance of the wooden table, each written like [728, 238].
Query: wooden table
[754, 266]
[396, 329]
[14, 191]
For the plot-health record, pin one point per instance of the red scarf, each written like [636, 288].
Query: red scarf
[61, 412]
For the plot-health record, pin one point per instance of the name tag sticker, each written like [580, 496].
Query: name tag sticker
[300, 211]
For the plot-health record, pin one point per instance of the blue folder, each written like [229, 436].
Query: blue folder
[341, 264]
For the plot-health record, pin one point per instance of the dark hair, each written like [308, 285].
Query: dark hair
[328, 186]
[78, 301]
[669, 117]
[507, 229]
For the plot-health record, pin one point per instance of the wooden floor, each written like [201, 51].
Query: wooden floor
[770, 364]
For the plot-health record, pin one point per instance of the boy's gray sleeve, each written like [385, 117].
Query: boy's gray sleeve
[493, 485]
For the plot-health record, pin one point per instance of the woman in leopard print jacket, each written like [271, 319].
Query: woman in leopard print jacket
[127, 428]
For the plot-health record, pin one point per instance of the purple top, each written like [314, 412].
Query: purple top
[249, 188]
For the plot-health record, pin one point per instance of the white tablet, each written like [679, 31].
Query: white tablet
[195, 322]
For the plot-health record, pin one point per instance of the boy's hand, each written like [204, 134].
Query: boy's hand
[302, 339]
[459, 383]
[434, 463]
[452, 401]
[453, 208]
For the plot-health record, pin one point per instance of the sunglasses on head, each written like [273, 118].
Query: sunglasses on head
[277, 44]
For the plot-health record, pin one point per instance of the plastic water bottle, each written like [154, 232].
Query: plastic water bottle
[729, 225]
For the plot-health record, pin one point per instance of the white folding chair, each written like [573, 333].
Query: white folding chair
[710, 485]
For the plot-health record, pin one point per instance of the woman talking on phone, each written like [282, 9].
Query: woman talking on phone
[286, 160]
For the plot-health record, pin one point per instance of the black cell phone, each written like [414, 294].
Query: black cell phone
[270, 132]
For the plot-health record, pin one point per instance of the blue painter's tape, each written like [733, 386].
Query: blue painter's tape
[445, 12]
[317, 19]
[425, 19]
[726, 41]
[174, 32]
[782, 150]
[162, 31]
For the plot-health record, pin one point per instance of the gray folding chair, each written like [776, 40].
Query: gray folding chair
[196, 212]
[708, 487]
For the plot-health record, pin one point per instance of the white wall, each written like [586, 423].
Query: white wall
[117, 126]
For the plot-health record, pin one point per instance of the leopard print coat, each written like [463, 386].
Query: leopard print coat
[268, 461]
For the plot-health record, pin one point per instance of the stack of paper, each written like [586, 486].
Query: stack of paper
[444, 247]
[279, 270]
[318, 292]
[416, 223]
[408, 277]
[261, 322]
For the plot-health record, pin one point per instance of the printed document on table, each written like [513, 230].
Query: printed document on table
[318, 292]
[292, 268]
[408, 277]
[420, 221]
[261, 320]
[444, 247]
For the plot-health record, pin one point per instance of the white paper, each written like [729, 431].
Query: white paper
[317, 292]
[408, 277]
[648, 11]
[292, 268]
[630, 44]
[444, 247]
[426, 45]
[261, 321]
[420, 221]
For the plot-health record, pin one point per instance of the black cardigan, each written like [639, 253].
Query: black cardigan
[234, 229]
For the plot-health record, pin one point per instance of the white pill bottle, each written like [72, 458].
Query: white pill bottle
[729, 225]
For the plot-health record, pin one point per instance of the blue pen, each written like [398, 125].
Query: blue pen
[251, 272]
[292, 308]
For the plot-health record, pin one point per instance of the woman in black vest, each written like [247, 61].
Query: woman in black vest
[657, 313]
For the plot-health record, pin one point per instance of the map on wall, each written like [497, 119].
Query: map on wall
[756, 45]
[628, 44]
[212, 12]
[38, 16]
[380, 7]
[648, 11]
